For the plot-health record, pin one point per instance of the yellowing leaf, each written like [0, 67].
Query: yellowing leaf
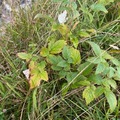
[32, 65]
[24, 56]
[44, 75]
[36, 74]
[75, 55]
[92, 31]
[75, 41]
[35, 80]
[89, 94]
[106, 55]
[112, 83]
[115, 61]
[63, 29]
[84, 34]
[57, 47]
[113, 51]
[44, 52]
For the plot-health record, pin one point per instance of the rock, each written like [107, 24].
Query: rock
[6, 8]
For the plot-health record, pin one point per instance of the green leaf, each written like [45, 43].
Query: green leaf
[76, 14]
[99, 91]
[84, 83]
[41, 65]
[86, 11]
[44, 52]
[70, 60]
[111, 99]
[57, 47]
[117, 74]
[55, 27]
[111, 72]
[71, 76]
[65, 89]
[24, 56]
[106, 83]
[63, 63]
[75, 55]
[67, 68]
[97, 79]
[84, 34]
[74, 40]
[115, 61]
[112, 83]
[54, 59]
[95, 48]
[66, 52]
[80, 83]
[106, 55]
[118, 70]
[51, 40]
[99, 7]
[104, 62]
[89, 94]
[94, 60]
[106, 70]
[74, 5]
[56, 68]
[100, 68]
[62, 74]
[35, 57]
[88, 70]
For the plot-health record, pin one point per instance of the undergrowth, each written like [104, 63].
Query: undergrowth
[73, 64]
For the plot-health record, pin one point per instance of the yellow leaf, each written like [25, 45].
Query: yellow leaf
[34, 81]
[63, 29]
[75, 55]
[57, 47]
[44, 52]
[44, 75]
[36, 75]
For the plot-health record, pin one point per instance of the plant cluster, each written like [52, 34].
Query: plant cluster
[70, 56]
[61, 58]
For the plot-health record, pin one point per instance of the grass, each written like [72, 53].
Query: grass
[45, 102]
